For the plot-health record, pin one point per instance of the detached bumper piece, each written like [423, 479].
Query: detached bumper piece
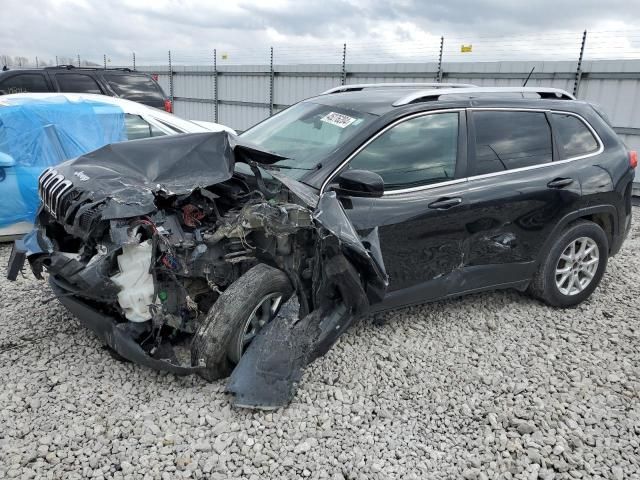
[16, 261]
[118, 336]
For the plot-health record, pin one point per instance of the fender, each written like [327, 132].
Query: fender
[575, 215]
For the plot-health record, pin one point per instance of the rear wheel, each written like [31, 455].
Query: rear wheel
[235, 319]
[574, 267]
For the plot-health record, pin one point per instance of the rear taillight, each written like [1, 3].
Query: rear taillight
[633, 158]
[168, 106]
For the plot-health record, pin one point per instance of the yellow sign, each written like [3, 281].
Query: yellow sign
[466, 48]
[225, 56]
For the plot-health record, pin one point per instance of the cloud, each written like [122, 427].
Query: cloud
[311, 31]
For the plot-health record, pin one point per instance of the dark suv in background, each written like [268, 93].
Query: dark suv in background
[114, 82]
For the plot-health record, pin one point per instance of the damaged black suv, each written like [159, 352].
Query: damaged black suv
[249, 256]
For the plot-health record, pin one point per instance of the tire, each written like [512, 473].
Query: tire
[216, 343]
[571, 291]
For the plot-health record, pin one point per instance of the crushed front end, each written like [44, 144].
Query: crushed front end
[141, 239]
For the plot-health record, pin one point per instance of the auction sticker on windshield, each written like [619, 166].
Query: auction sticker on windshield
[338, 119]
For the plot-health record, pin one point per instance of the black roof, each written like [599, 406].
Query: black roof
[379, 101]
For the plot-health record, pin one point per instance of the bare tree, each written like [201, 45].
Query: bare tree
[6, 60]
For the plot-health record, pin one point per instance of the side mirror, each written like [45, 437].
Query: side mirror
[360, 183]
[6, 161]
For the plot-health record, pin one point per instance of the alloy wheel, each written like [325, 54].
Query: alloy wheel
[577, 266]
[262, 314]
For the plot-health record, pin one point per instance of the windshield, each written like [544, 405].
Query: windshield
[306, 133]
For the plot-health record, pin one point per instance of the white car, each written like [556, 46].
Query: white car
[141, 121]
[158, 121]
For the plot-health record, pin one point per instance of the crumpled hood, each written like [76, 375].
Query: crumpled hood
[129, 175]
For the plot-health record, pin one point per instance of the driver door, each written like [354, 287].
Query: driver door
[422, 160]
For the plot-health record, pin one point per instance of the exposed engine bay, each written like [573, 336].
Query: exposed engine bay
[155, 244]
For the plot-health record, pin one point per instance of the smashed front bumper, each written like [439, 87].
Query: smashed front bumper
[117, 335]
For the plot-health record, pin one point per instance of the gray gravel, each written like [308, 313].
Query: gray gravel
[490, 386]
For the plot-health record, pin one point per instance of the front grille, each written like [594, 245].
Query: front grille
[53, 188]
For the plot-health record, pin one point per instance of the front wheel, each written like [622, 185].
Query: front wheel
[574, 267]
[238, 315]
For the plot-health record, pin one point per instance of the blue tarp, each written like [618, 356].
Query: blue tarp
[39, 133]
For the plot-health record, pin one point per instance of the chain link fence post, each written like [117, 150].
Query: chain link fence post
[215, 85]
[344, 65]
[576, 84]
[271, 83]
[439, 74]
[171, 81]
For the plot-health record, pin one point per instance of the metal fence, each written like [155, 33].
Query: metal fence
[240, 87]
[242, 95]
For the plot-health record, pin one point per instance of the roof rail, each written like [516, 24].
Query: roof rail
[362, 86]
[473, 92]
[68, 67]
[73, 67]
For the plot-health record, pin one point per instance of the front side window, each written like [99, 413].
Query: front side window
[573, 137]
[506, 140]
[305, 134]
[77, 83]
[416, 152]
[24, 83]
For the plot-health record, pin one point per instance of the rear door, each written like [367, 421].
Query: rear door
[421, 159]
[519, 189]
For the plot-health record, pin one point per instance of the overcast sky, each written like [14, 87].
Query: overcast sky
[382, 30]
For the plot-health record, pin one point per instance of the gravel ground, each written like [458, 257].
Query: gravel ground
[490, 386]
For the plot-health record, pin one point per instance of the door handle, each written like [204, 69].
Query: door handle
[560, 183]
[445, 203]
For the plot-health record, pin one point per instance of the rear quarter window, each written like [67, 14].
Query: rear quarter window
[134, 87]
[24, 83]
[573, 136]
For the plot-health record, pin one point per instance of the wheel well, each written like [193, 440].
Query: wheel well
[604, 220]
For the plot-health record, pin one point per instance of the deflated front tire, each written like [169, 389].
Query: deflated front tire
[239, 313]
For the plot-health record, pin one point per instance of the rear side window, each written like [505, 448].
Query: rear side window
[77, 83]
[138, 128]
[134, 87]
[573, 137]
[24, 83]
[506, 140]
